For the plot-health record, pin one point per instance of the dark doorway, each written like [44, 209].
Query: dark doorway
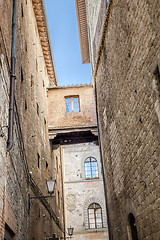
[133, 228]
[9, 234]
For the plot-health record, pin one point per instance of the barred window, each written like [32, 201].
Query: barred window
[91, 168]
[95, 219]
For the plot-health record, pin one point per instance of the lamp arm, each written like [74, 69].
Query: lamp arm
[66, 237]
[42, 197]
[29, 199]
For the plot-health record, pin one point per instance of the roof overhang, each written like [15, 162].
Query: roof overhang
[74, 138]
[44, 35]
[83, 30]
[73, 135]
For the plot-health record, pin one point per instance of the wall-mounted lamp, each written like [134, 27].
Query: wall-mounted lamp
[50, 186]
[70, 231]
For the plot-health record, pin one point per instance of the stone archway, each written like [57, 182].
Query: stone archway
[90, 201]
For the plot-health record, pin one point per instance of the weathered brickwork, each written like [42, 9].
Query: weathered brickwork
[127, 89]
[3, 118]
[13, 190]
[25, 169]
[95, 13]
[59, 118]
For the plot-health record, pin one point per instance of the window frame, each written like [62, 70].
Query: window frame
[72, 103]
[91, 169]
[95, 216]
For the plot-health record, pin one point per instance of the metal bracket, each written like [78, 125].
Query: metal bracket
[33, 197]
[1, 131]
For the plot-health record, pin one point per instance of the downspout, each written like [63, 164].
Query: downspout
[63, 193]
[102, 165]
[12, 78]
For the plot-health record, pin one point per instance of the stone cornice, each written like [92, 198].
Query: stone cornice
[72, 86]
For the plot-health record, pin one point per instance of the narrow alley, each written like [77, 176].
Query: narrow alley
[80, 160]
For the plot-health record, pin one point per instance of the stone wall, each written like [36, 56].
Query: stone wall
[80, 193]
[127, 89]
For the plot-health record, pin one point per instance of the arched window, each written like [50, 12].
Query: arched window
[91, 168]
[132, 227]
[95, 216]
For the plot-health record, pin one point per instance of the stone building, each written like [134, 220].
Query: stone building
[73, 132]
[84, 193]
[121, 39]
[26, 166]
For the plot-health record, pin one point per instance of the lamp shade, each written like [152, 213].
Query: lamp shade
[51, 185]
[70, 231]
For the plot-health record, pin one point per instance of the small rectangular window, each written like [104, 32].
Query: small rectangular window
[22, 75]
[157, 73]
[37, 109]
[46, 171]
[38, 160]
[72, 104]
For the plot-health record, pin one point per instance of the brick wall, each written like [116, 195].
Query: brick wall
[31, 151]
[59, 118]
[127, 88]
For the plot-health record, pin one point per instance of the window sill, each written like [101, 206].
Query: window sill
[92, 178]
[96, 229]
[72, 112]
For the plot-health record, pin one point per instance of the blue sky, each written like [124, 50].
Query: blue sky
[64, 33]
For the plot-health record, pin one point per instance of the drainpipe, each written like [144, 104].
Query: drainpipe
[63, 193]
[102, 165]
[12, 78]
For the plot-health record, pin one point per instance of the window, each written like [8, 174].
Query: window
[22, 75]
[38, 160]
[37, 109]
[91, 168]
[72, 104]
[46, 170]
[132, 229]
[157, 74]
[22, 13]
[57, 164]
[59, 199]
[45, 129]
[32, 81]
[95, 216]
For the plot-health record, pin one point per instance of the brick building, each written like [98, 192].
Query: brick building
[73, 132]
[79, 117]
[121, 39]
[26, 166]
